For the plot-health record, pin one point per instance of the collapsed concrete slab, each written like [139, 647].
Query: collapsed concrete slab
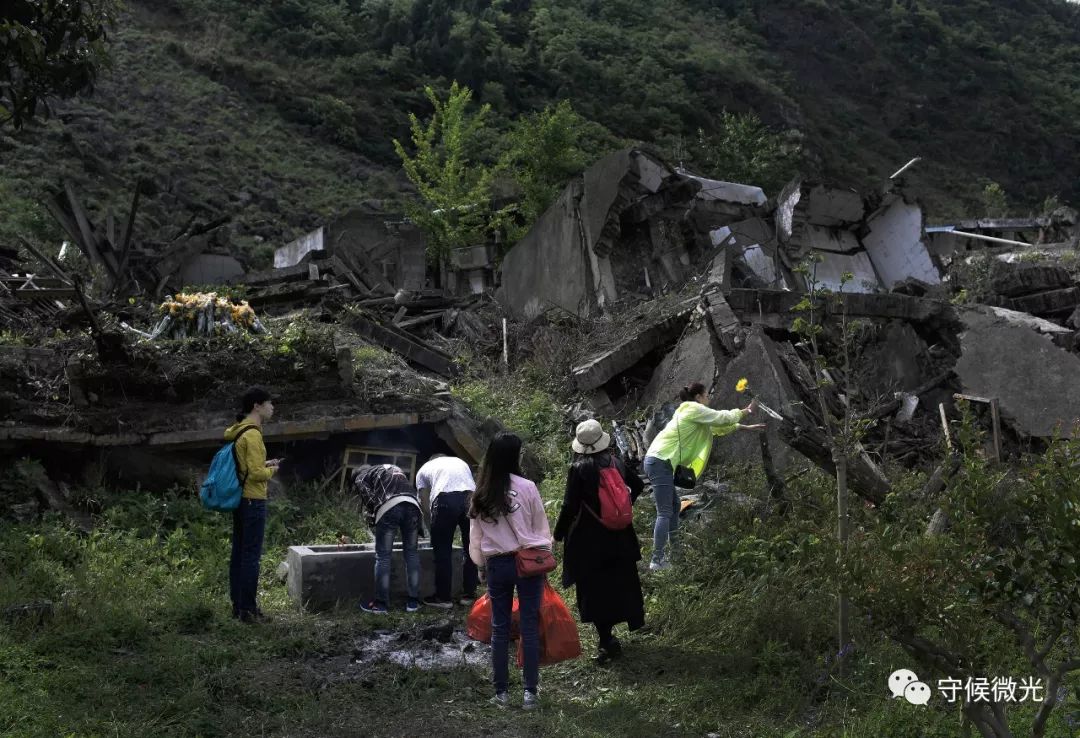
[760, 365]
[1033, 380]
[600, 369]
[693, 359]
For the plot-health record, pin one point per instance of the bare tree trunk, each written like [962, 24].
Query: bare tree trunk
[842, 633]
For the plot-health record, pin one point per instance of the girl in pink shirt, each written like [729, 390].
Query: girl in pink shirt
[506, 515]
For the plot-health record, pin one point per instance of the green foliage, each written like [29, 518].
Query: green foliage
[743, 149]
[454, 186]
[52, 48]
[527, 409]
[542, 152]
[994, 202]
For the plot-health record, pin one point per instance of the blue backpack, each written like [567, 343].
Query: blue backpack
[223, 487]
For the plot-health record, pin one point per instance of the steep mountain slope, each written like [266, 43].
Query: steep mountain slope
[283, 112]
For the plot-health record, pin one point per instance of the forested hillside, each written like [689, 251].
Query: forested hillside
[283, 112]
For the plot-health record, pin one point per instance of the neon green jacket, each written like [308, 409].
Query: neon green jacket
[687, 438]
[251, 453]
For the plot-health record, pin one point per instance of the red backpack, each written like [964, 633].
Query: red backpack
[616, 512]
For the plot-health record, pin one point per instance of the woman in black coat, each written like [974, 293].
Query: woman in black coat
[600, 561]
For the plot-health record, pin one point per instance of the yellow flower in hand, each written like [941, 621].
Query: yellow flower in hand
[742, 385]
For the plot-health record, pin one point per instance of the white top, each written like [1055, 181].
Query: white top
[445, 474]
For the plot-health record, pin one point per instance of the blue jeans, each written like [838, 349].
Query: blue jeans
[662, 477]
[501, 579]
[249, 525]
[405, 517]
[450, 512]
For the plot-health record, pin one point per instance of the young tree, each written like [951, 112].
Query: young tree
[454, 186]
[743, 149]
[49, 48]
[543, 151]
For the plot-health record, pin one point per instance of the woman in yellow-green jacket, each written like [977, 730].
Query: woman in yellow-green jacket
[249, 519]
[685, 441]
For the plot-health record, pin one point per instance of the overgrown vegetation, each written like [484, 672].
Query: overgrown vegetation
[739, 642]
[284, 113]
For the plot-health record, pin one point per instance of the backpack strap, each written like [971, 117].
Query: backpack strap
[236, 458]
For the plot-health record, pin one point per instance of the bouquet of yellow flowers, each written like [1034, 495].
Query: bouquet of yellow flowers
[204, 314]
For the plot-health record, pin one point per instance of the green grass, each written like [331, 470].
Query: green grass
[739, 642]
[141, 645]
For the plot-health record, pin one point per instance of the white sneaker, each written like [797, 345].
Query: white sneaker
[654, 566]
[531, 701]
[502, 699]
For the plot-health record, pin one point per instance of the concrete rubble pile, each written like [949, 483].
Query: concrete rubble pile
[143, 405]
[715, 271]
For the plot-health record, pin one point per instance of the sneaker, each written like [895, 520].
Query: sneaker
[531, 701]
[658, 565]
[439, 602]
[251, 616]
[375, 607]
[412, 605]
[502, 699]
[466, 600]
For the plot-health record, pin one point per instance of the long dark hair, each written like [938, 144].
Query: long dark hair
[254, 396]
[502, 459]
[586, 467]
[691, 391]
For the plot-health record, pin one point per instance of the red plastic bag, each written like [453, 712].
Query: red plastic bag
[559, 639]
[478, 624]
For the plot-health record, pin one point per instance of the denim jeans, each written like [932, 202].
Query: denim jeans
[662, 477]
[405, 517]
[450, 511]
[501, 579]
[249, 525]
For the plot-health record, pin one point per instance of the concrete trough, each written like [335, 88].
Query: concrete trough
[324, 577]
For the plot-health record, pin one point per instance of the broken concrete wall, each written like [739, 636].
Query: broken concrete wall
[548, 267]
[1033, 380]
[291, 253]
[880, 248]
[753, 241]
[619, 204]
[893, 238]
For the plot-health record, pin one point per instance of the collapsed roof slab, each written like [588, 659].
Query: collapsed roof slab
[603, 367]
[211, 434]
[1033, 380]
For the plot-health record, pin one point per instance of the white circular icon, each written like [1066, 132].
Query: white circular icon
[917, 693]
[899, 680]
